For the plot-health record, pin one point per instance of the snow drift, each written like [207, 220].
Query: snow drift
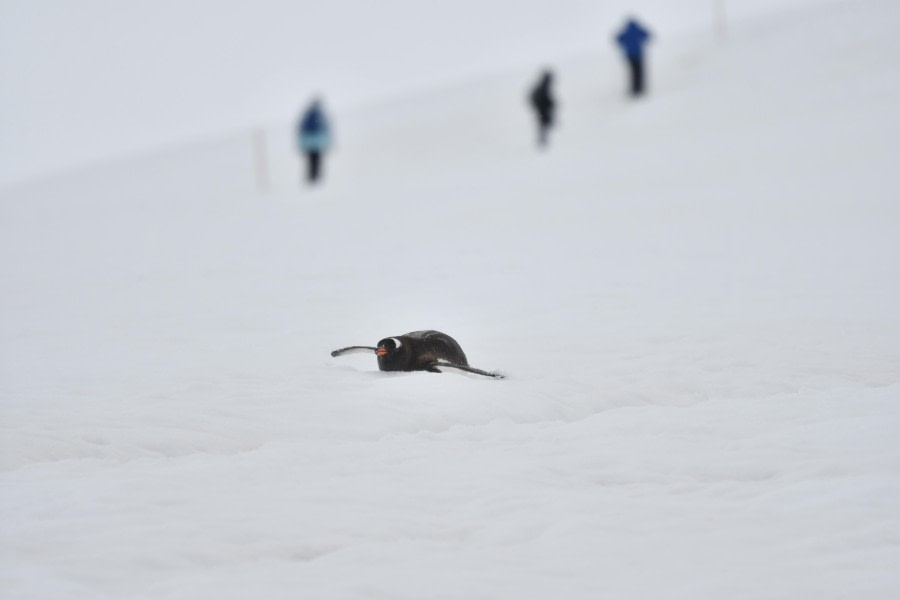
[694, 298]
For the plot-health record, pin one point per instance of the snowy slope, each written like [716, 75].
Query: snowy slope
[694, 299]
[91, 81]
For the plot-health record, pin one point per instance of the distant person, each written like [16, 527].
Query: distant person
[314, 137]
[632, 39]
[544, 105]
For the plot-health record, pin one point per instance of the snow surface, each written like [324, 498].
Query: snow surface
[694, 298]
[91, 80]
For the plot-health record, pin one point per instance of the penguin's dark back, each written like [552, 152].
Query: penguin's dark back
[441, 345]
[419, 349]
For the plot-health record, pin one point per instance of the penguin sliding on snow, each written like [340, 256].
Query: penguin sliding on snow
[430, 351]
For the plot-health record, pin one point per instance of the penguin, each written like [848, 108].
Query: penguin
[429, 350]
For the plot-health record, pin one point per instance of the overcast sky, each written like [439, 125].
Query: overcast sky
[88, 80]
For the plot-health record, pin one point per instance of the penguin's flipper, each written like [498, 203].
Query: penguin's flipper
[444, 367]
[354, 350]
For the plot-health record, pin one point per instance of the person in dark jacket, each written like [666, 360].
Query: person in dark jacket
[544, 105]
[314, 139]
[632, 39]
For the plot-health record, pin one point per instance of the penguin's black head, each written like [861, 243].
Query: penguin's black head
[388, 346]
[391, 353]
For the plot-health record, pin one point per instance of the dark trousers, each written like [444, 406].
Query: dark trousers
[545, 122]
[313, 166]
[636, 66]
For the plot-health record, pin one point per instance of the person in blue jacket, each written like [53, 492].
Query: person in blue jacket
[632, 39]
[314, 139]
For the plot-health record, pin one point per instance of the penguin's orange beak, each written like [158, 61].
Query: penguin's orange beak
[381, 351]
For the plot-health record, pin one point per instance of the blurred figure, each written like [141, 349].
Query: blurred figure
[314, 137]
[632, 39]
[544, 105]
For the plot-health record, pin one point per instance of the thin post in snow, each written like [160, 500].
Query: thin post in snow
[260, 160]
[721, 22]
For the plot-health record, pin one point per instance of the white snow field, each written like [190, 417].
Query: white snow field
[694, 298]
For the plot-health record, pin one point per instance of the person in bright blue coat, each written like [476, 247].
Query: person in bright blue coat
[314, 139]
[632, 39]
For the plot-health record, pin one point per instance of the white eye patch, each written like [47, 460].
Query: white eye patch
[396, 341]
